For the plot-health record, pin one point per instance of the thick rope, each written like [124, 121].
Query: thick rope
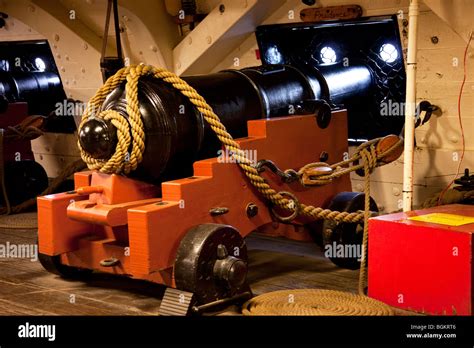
[28, 129]
[309, 302]
[308, 178]
[24, 221]
[451, 196]
[368, 167]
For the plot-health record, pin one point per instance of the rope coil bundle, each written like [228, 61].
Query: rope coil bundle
[306, 302]
[23, 221]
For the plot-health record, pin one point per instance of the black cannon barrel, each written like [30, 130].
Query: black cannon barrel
[176, 133]
[42, 90]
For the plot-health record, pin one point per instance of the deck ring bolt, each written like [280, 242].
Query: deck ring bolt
[111, 262]
[295, 207]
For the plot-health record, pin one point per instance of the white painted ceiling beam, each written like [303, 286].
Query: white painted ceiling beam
[458, 14]
[62, 14]
[159, 23]
[220, 33]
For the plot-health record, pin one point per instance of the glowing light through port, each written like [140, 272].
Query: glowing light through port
[274, 56]
[4, 65]
[388, 53]
[328, 55]
[40, 65]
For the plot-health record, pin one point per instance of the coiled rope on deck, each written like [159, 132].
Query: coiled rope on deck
[308, 302]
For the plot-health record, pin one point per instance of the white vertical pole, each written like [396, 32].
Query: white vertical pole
[410, 106]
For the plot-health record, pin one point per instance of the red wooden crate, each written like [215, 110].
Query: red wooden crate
[423, 266]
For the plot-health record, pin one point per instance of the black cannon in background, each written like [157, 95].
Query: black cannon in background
[28, 74]
[30, 90]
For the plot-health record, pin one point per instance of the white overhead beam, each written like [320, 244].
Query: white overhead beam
[62, 14]
[220, 33]
[458, 14]
[159, 23]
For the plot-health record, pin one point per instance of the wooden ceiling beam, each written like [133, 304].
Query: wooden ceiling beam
[225, 27]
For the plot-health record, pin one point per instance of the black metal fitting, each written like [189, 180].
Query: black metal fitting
[98, 138]
[428, 108]
[3, 16]
[252, 210]
[324, 156]
[466, 181]
[218, 211]
[287, 177]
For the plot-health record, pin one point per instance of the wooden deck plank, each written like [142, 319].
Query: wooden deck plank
[275, 264]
